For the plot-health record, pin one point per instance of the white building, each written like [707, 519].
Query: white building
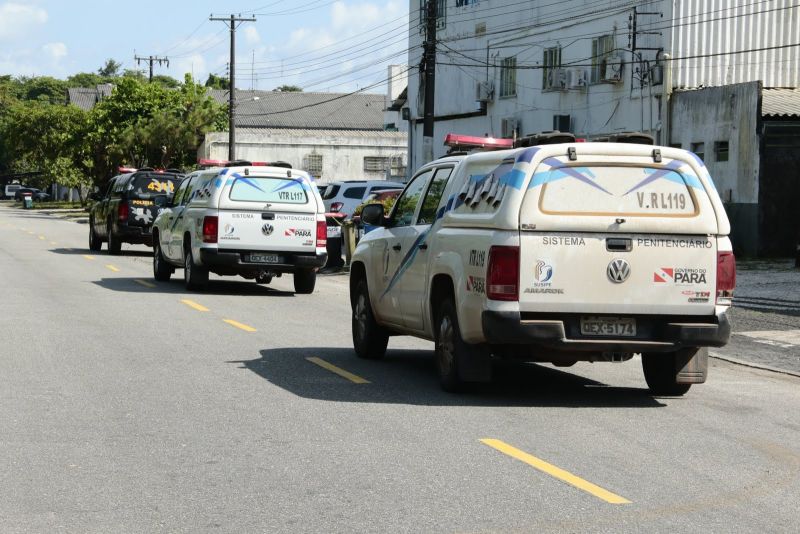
[332, 136]
[507, 68]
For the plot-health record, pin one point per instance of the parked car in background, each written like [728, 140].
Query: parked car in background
[343, 197]
[258, 222]
[37, 194]
[125, 211]
[10, 189]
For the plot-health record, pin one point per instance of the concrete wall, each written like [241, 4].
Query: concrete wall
[729, 113]
[342, 152]
[779, 188]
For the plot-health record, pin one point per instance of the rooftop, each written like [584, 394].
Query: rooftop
[780, 102]
[315, 111]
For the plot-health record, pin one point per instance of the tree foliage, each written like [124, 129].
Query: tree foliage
[141, 124]
[217, 82]
[288, 89]
[110, 69]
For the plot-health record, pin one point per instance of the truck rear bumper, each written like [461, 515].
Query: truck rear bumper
[562, 332]
[235, 262]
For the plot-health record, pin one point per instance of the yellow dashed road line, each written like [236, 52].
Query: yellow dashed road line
[42, 237]
[88, 257]
[193, 304]
[112, 268]
[556, 472]
[338, 370]
[239, 325]
[145, 283]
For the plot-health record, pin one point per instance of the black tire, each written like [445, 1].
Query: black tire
[114, 244]
[194, 276]
[162, 270]
[304, 281]
[450, 347]
[369, 338]
[660, 373]
[95, 243]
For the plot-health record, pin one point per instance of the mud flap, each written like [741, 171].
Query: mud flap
[475, 364]
[691, 366]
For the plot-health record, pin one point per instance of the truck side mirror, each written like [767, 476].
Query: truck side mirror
[372, 214]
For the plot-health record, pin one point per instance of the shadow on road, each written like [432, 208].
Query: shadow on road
[102, 253]
[176, 287]
[409, 377]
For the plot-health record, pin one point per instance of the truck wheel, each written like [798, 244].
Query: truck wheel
[451, 350]
[95, 243]
[194, 276]
[304, 281]
[161, 269]
[660, 373]
[369, 338]
[114, 244]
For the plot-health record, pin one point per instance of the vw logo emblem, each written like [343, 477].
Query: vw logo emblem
[618, 271]
[267, 229]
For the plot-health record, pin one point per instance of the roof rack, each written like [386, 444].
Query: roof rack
[145, 169]
[552, 137]
[637, 138]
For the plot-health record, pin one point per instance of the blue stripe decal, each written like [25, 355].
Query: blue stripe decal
[514, 179]
[407, 261]
[582, 174]
[658, 174]
[527, 155]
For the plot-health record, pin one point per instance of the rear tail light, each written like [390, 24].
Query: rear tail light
[336, 206]
[210, 229]
[503, 277]
[124, 211]
[726, 277]
[322, 234]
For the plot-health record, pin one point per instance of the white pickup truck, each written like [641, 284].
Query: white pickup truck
[253, 221]
[553, 253]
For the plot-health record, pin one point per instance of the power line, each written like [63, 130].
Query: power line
[151, 60]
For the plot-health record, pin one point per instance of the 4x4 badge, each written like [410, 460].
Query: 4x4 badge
[267, 229]
[618, 271]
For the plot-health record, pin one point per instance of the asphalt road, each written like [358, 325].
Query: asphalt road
[133, 406]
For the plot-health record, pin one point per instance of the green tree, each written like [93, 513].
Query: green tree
[110, 69]
[86, 79]
[43, 88]
[217, 82]
[166, 81]
[288, 89]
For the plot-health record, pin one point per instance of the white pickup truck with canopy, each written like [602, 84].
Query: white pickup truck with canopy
[254, 221]
[552, 253]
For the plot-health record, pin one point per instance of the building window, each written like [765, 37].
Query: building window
[552, 60]
[602, 48]
[699, 149]
[721, 150]
[508, 77]
[675, 145]
[376, 164]
[313, 165]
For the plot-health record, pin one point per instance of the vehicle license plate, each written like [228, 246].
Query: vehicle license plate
[608, 326]
[334, 231]
[264, 258]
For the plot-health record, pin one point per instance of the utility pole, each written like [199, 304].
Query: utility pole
[429, 59]
[151, 60]
[233, 20]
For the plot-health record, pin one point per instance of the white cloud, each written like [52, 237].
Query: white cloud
[251, 35]
[17, 20]
[55, 51]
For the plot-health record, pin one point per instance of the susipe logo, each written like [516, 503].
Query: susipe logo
[679, 276]
[297, 232]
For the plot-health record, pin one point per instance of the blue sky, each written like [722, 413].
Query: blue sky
[320, 45]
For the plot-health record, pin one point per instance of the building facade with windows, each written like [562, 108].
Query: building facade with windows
[506, 68]
[332, 136]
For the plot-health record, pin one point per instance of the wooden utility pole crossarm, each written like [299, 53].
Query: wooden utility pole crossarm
[233, 20]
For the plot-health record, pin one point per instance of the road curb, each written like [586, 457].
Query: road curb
[753, 365]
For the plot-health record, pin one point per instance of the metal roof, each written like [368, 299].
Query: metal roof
[310, 132]
[780, 102]
[313, 111]
[86, 97]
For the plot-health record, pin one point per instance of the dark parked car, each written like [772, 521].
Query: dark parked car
[125, 211]
[37, 194]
